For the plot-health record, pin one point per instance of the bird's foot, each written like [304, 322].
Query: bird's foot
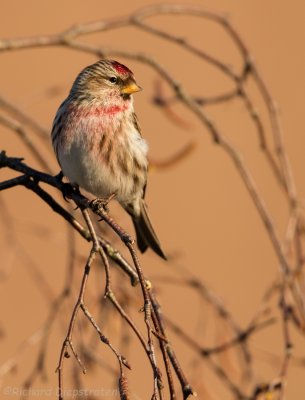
[97, 203]
[68, 189]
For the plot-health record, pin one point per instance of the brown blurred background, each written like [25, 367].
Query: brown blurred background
[200, 208]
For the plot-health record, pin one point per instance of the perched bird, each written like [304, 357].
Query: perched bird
[98, 142]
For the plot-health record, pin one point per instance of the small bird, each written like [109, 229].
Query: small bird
[99, 146]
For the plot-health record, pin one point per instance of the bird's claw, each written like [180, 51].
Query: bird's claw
[97, 203]
[68, 190]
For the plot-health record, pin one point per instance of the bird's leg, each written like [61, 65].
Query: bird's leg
[102, 202]
[68, 189]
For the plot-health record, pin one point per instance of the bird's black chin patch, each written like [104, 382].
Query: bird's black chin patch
[125, 96]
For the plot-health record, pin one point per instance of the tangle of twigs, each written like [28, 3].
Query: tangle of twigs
[289, 288]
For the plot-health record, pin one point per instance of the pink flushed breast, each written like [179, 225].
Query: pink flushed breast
[89, 122]
[100, 111]
[97, 111]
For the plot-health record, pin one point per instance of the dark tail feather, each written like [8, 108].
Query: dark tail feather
[146, 236]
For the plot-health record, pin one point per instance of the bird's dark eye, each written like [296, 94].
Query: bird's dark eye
[113, 79]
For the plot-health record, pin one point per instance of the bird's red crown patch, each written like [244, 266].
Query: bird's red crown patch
[120, 68]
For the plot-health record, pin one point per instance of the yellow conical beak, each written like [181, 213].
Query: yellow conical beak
[130, 88]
